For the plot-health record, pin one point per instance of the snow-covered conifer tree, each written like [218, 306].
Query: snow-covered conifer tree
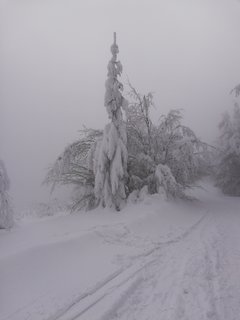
[111, 156]
[6, 217]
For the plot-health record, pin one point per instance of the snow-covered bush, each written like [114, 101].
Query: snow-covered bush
[6, 212]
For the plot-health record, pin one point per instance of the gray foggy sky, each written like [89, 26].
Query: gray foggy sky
[53, 64]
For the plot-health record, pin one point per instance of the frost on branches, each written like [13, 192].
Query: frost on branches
[167, 184]
[111, 166]
[74, 167]
[228, 165]
[165, 153]
[6, 214]
[236, 90]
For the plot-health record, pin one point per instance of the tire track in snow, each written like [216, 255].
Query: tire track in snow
[88, 300]
[198, 296]
[176, 289]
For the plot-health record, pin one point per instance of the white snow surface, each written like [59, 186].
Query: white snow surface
[153, 260]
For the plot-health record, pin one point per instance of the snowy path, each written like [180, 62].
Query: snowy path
[195, 277]
[123, 283]
[155, 260]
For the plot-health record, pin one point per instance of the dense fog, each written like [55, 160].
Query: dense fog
[53, 65]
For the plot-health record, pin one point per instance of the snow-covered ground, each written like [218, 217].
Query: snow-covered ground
[153, 260]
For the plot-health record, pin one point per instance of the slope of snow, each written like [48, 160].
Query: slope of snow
[153, 260]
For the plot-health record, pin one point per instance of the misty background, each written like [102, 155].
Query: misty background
[53, 65]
